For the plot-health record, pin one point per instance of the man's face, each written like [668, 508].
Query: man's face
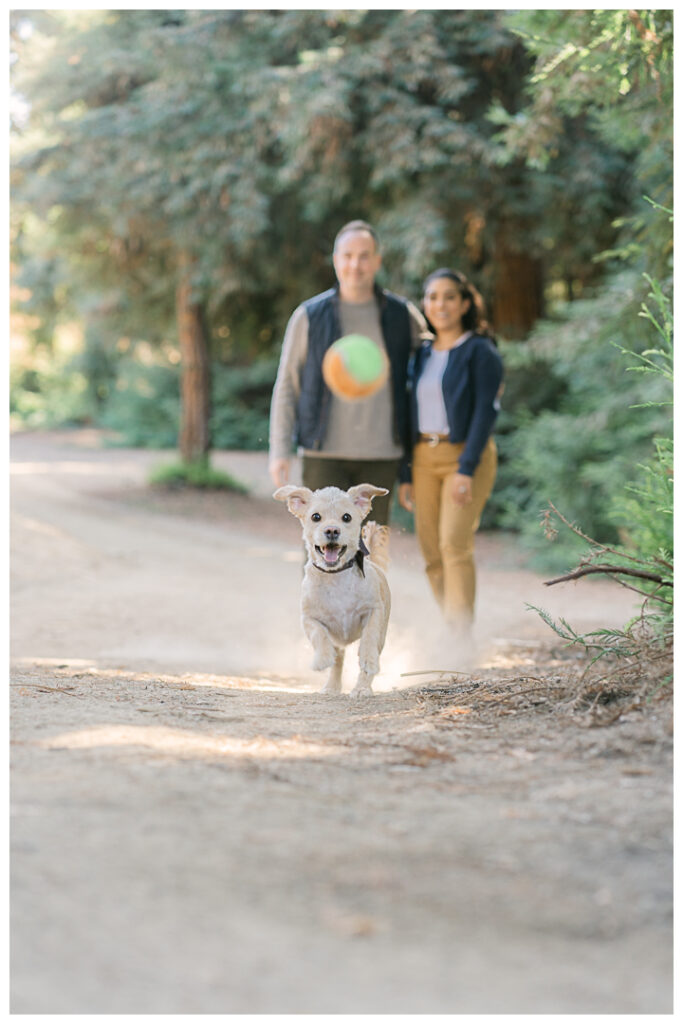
[356, 262]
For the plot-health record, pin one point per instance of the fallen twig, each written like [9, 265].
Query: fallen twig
[51, 689]
[434, 672]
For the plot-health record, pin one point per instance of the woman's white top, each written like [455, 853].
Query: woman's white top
[431, 408]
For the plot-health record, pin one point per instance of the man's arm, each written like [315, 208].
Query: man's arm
[286, 396]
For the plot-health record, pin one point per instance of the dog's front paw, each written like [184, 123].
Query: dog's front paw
[332, 687]
[359, 692]
[369, 664]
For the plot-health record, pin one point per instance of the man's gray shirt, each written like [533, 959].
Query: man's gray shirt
[355, 430]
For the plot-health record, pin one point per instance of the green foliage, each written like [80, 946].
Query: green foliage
[241, 404]
[644, 559]
[603, 62]
[613, 71]
[633, 658]
[48, 395]
[646, 510]
[599, 642]
[97, 363]
[594, 452]
[144, 407]
[657, 361]
[570, 433]
[247, 137]
[195, 474]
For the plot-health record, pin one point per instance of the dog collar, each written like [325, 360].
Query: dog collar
[356, 560]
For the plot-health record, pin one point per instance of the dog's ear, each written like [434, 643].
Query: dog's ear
[362, 495]
[297, 498]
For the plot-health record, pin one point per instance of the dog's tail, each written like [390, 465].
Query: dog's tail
[376, 540]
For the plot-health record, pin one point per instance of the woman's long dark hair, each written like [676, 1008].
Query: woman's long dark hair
[475, 317]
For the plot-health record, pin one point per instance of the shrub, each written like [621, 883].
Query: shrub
[240, 400]
[144, 405]
[581, 449]
[48, 396]
[195, 474]
[644, 559]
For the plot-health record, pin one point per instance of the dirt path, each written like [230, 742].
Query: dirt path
[195, 830]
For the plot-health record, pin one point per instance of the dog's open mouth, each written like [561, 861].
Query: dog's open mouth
[331, 553]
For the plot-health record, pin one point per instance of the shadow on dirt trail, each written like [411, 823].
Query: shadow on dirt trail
[195, 830]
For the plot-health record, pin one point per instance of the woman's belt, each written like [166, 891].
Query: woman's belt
[432, 439]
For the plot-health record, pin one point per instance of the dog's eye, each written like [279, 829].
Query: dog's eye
[346, 518]
[316, 517]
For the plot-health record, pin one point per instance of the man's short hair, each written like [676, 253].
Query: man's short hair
[357, 225]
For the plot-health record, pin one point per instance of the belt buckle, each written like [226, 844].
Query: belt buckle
[433, 441]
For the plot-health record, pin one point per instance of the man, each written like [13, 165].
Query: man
[345, 443]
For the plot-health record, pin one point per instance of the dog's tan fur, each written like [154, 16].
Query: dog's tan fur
[339, 606]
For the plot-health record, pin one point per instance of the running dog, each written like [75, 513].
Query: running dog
[345, 595]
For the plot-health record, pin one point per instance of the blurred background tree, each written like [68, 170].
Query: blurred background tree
[178, 178]
[582, 441]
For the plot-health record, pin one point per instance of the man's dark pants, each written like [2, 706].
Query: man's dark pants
[344, 473]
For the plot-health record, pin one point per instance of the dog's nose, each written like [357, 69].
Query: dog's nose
[332, 533]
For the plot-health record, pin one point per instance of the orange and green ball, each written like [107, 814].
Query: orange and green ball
[355, 367]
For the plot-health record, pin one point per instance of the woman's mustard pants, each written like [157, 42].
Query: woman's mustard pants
[445, 531]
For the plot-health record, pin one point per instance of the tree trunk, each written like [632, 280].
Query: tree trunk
[517, 291]
[194, 440]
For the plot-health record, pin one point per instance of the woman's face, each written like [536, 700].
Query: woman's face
[444, 306]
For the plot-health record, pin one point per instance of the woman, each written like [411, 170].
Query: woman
[456, 382]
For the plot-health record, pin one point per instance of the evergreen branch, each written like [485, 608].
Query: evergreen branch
[625, 570]
[601, 641]
[604, 548]
[664, 209]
